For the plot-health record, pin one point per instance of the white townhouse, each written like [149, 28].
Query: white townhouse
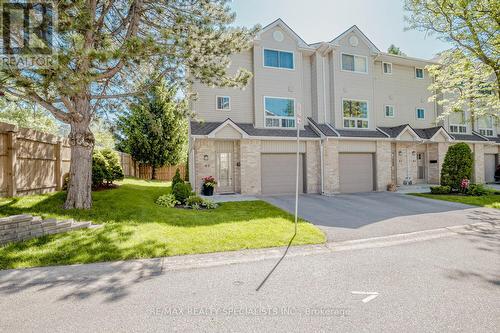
[366, 120]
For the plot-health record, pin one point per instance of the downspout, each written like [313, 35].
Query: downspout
[321, 163]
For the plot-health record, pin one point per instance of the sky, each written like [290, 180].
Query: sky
[382, 21]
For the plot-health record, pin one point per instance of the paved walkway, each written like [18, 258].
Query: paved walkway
[363, 215]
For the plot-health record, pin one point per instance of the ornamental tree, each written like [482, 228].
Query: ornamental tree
[472, 27]
[155, 130]
[457, 165]
[113, 49]
[461, 83]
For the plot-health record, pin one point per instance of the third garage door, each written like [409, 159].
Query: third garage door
[356, 172]
[489, 168]
[278, 173]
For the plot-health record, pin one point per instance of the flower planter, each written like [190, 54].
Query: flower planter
[208, 190]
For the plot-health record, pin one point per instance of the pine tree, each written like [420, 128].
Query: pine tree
[155, 131]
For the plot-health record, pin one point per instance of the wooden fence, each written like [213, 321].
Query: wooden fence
[132, 168]
[31, 161]
[34, 162]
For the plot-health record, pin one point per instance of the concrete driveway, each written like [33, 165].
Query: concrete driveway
[364, 215]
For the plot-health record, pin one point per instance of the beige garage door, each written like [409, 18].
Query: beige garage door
[278, 173]
[356, 172]
[489, 168]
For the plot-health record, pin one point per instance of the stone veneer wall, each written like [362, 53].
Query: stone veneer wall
[22, 227]
[250, 166]
[331, 167]
[313, 167]
[383, 162]
[478, 172]
[203, 167]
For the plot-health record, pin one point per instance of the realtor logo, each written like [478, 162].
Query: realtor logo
[27, 37]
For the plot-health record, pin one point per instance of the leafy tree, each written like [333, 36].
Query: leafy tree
[472, 26]
[155, 130]
[464, 84]
[27, 115]
[103, 134]
[99, 168]
[114, 49]
[393, 49]
[457, 165]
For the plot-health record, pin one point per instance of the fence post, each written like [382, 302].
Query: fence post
[58, 165]
[11, 163]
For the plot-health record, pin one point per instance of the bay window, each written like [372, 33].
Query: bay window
[279, 112]
[355, 114]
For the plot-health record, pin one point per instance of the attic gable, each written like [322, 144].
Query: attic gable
[355, 30]
[292, 34]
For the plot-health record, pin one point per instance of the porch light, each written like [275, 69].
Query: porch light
[414, 153]
[205, 157]
[400, 153]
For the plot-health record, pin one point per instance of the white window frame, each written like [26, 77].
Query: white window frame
[278, 50]
[485, 129]
[386, 63]
[217, 104]
[277, 117]
[423, 73]
[393, 111]
[416, 113]
[354, 55]
[367, 119]
[458, 128]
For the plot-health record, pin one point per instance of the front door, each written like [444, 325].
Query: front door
[421, 167]
[225, 174]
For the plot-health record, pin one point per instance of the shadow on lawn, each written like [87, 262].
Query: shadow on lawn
[135, 204]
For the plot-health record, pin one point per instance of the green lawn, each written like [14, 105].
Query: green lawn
[489, 201]
[135, 227]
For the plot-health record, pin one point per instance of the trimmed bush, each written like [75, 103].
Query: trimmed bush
[440, 189]
[477, 190]
[99, 169]
[182, 191]
[457, 165]
[114, 170]
[167, 200]
[177, 178]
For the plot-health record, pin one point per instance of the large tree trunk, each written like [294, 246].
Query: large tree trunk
[153, 172]
[80, 180]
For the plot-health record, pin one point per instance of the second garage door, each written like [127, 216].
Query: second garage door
[489, 168]
[356, 172]
[278, 173]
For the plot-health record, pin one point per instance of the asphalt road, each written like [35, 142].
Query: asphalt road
[374, 214]
[441, 285]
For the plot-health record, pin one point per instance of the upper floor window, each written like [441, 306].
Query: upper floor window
[457, 122]
[461, 129]
[387, 67]
[486, 126]
[355, 114]
[278, 59]
[389, 111]
[419, 73]
[279, 112]
[420, 113]
[354, 63]
[223, 103]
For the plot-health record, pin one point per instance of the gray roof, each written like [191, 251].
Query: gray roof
[393, 132]
[323, 128]
[205, 128]
[427, 133]
[251, 130]
[361, 133]
[496, 139]
[468, 137]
